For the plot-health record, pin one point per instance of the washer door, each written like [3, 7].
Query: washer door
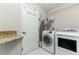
[47, 40]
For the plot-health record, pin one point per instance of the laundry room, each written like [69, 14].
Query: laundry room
[39, 28]
[57, 27]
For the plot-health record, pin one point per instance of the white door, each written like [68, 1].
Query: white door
[31, 31]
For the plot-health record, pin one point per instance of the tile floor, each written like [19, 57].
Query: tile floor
[39, 51]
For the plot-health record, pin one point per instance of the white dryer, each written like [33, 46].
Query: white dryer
[48, 42]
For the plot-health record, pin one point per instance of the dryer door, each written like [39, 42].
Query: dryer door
[47, 40]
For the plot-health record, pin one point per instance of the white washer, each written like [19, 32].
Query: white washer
[48, 41]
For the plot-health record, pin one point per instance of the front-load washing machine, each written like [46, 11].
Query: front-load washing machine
[48, 42]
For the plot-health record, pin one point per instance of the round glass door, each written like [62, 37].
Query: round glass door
[47, 40]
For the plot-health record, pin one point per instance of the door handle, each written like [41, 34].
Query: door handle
[24, 32]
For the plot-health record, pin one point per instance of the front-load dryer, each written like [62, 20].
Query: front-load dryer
[48, 42]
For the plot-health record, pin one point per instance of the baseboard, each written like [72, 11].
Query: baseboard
[30, 51]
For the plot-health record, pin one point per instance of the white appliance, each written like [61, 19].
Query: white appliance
[67, 42]
[30, 28]
[48, 41]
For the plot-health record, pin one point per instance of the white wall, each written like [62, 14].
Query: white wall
[10, 16]
[68, 17]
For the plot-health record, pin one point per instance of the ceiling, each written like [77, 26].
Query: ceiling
[49, 6]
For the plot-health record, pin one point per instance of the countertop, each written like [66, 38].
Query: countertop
[8, 36]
